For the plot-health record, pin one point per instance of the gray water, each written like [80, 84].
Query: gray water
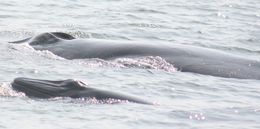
[185, 100]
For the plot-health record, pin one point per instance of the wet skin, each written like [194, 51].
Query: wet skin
[185, 58]
[66, 88]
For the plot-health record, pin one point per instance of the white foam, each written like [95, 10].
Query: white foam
[148, 62]
[6, 90]
[26, 49]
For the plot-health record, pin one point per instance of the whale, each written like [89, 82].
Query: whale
[44, 89]
[186, 58]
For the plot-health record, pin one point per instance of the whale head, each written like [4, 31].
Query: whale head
[45, 88]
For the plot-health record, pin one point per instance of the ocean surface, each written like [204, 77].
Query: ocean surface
[184, 100]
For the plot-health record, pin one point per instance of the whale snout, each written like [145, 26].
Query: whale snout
[37, 88]
[22, 84]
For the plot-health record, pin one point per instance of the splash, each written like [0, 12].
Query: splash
[149, 62]
[88, 100]
[6, 90]
[27, 50]
[104, 101]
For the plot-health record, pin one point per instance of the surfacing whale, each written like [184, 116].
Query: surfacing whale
[66, 88]
[185, 58]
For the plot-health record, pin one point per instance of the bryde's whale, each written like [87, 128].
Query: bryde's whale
[185, 58]
[66, 88]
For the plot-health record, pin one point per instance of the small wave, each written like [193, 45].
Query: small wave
[96, 101]
[152, 11]
[6, 90]
[26, 49]
[18, 34]
[87, 100]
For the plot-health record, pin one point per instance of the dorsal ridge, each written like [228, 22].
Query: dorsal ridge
[50, 38]
[46, 38]
[63, 35]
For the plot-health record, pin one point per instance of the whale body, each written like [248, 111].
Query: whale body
[185, 58]
[38, 88]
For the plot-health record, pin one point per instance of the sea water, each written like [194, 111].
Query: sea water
[184, 100]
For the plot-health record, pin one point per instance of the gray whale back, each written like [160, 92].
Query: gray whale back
[38, 88]
[185, 58]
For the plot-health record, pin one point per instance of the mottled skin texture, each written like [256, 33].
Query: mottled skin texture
[66, 88]
[185, 57]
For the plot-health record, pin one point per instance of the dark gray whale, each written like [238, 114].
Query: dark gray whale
[185, 58]
[66, 88]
